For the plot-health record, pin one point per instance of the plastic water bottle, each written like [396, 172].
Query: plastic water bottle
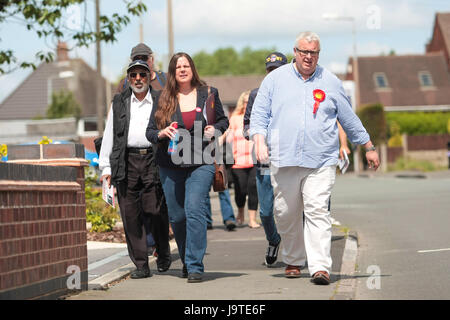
[174, 141]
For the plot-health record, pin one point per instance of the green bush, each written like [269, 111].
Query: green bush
[373, 119]
[228, 61]
[420, 123]
[63, 105]
[395, 139]
[102, 216]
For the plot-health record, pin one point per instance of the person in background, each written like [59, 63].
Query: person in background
[243, 170]
[157, 78]
[186, 175]
[263, 184]
[226, 209]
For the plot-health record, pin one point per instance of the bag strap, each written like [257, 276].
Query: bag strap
[215, 163]
[163, 81]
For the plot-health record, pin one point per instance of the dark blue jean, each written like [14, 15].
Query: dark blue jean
[225, 207]
[186, 191]
[265, 197]
[150, 240]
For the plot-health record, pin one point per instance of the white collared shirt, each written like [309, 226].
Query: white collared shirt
[139, 116]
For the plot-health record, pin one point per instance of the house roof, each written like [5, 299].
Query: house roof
[30, 99]
[231, 87]
[443, 20]
[402, 75]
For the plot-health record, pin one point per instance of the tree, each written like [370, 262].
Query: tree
[373, 118]
[226, 61]
[252, 61]
[48, 18]
[63, 105]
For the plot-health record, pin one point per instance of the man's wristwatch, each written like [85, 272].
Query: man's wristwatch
[372, 148]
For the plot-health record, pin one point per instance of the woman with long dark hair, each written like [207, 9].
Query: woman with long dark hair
[186, 173]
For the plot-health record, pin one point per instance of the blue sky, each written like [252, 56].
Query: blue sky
[381, 26]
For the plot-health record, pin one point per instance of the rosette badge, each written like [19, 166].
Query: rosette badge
[319, 96]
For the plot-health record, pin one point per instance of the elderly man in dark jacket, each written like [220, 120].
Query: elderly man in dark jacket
[127, 161]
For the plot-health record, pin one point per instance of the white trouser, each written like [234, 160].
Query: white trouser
[298, 190]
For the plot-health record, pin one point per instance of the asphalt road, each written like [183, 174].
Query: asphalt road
[403, 232]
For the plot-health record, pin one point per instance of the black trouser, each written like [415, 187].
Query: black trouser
[142, 194]
[245, 184]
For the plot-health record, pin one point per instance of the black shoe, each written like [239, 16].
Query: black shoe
[140, 273]
[163, 264]
[209, 226]
[230, 225]
[271, 254]
[184, 273]
[194, 277]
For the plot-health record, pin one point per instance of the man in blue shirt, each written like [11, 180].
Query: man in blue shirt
[296, 112]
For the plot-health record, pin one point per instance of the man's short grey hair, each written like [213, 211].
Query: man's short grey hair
[308, 36]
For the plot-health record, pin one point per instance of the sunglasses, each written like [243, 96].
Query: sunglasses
[141, 74]
[143, 58]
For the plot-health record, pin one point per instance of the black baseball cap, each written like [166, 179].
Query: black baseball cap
[140, 50]
[275, 59]
[137, 63]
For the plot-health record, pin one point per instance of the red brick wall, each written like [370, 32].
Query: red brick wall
[393, 153]
[88, 142]
[431, 142]
[42, 229]
[419, 143]
[437, 43]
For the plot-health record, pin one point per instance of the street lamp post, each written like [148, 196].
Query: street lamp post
[99, 92]
[332, 16]
[170, 27]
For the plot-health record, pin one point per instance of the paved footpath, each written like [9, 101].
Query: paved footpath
[234, 270]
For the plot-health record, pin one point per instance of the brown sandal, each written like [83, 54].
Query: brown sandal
[321, 278]
[292, 271]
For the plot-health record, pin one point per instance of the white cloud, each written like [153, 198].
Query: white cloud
[109, 71]
[87, 54]
[256, 18]
[373, 49]
[337, 67]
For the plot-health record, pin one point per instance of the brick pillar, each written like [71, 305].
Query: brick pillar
[42, 222]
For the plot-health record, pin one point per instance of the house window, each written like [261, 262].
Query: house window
[425, 79]
[380, 80]
[90, 126]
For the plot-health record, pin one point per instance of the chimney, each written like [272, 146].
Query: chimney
[62, 52]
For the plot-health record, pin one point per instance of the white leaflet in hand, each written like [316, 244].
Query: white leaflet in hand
[343, 163]
[108, 193]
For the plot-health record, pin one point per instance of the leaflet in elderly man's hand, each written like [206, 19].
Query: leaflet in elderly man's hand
[108, 193]
[343, 163]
